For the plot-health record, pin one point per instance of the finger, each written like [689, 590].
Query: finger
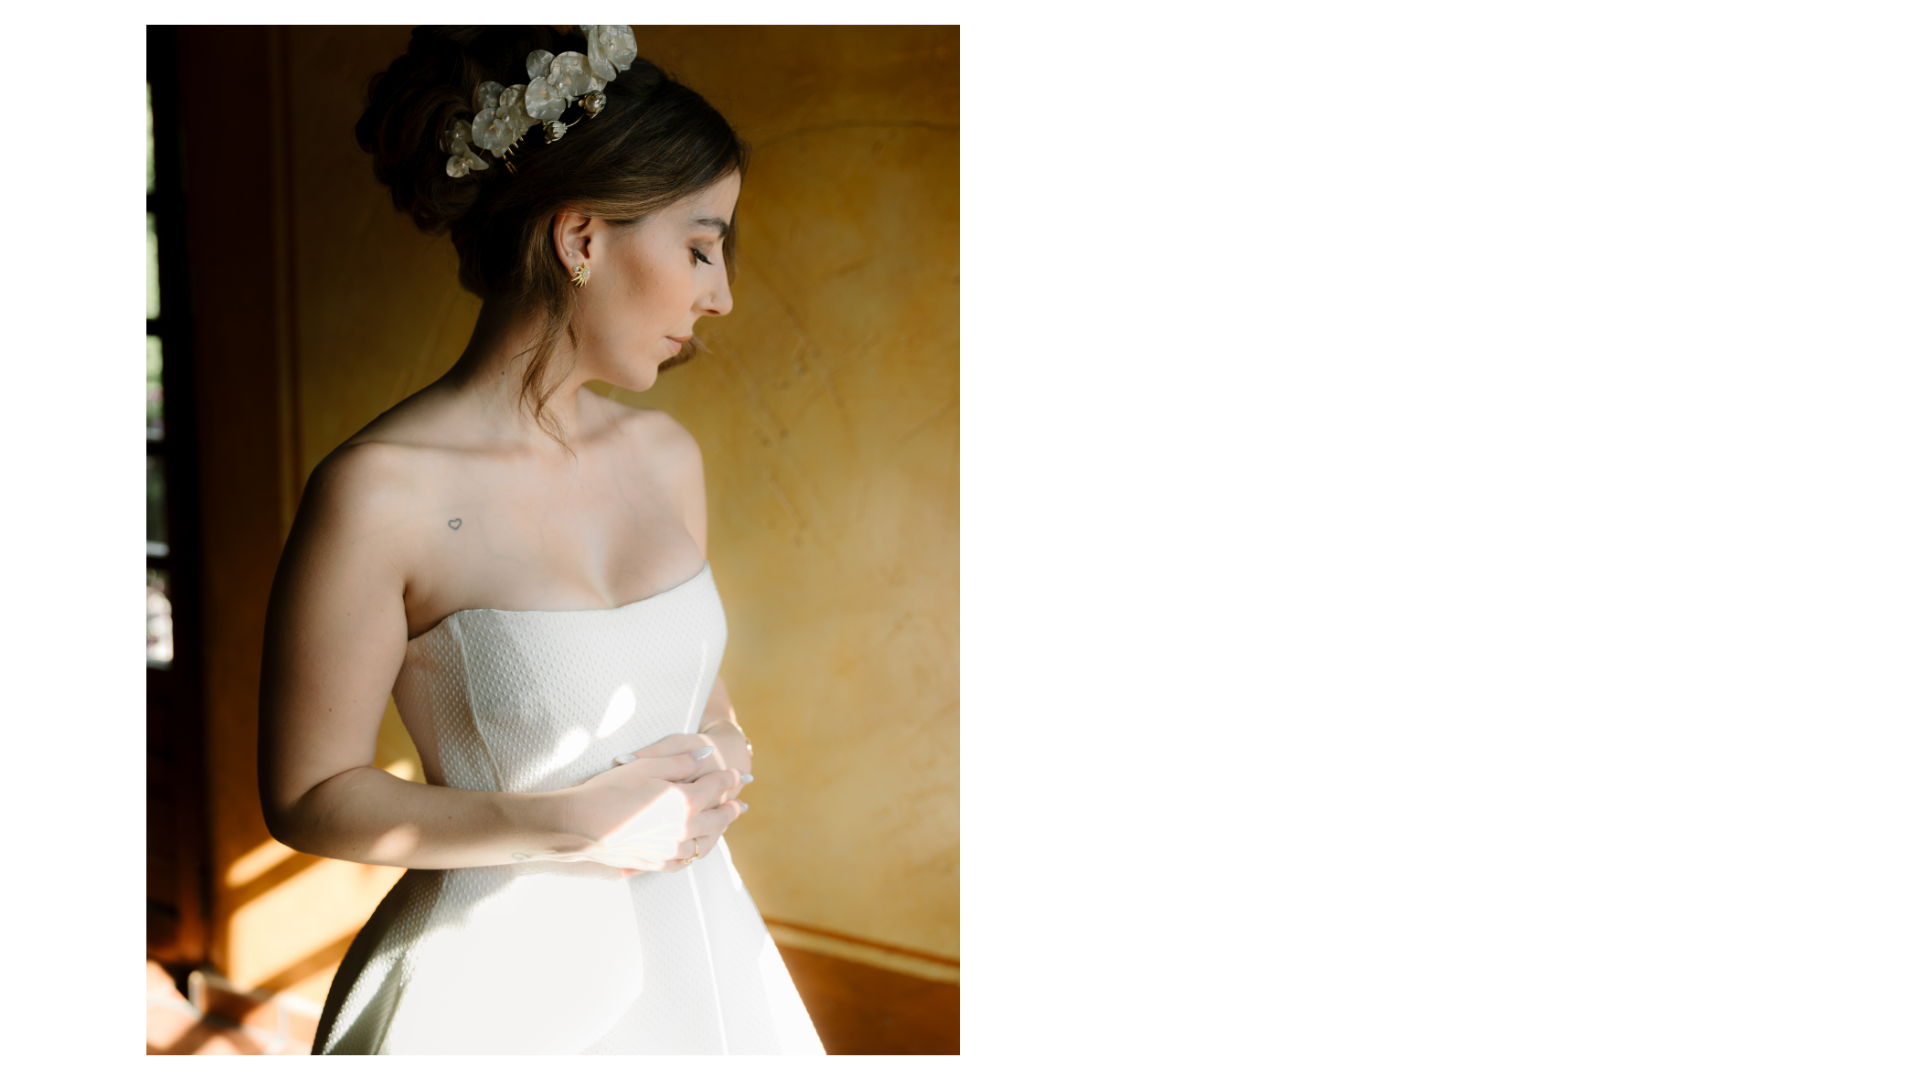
[679, 768]
[696, 848]
[745, 779]
[711, 790]
[651, 866]
[713, 756]
[696, 753]
[673, 744]
[715, 821]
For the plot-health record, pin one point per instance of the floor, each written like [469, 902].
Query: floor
[175, 1026]
[856, 1008]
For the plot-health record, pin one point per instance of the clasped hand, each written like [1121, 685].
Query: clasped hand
[661, 806]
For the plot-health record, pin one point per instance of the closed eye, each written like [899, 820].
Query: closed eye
[702, 258]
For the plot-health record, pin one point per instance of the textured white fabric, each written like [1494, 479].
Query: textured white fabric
[563, 958]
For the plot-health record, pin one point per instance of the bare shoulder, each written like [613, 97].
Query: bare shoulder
[662, 455]
[657, 441]
[365, 483]
[362, 509]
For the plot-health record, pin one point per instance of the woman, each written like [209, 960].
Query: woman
[520, 562]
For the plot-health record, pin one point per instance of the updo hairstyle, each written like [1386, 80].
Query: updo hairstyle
[654, 143]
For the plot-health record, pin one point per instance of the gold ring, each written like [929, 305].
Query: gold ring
[696, 851]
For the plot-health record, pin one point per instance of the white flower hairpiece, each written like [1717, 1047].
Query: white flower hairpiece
[504, 114]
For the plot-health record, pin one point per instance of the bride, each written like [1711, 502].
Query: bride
[521, 563]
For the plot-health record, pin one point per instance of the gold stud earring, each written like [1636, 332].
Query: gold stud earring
[580, 275]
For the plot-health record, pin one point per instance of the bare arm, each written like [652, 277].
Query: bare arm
[336, 636]
[718, 725]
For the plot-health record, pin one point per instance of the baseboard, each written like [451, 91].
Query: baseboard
[921, 965]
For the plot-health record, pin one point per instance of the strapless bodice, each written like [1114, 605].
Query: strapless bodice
[530, 701]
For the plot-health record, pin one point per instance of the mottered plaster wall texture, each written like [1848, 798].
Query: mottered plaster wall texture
[828, 413]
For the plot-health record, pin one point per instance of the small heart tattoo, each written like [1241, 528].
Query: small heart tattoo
[454, 524]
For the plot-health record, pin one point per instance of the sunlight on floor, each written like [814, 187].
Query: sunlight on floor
[175, 1026]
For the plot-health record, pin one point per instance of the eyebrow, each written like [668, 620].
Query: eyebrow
[715, 224]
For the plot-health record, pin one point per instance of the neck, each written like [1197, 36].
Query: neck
[492, 370]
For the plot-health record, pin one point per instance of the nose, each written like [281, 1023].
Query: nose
[718, 300]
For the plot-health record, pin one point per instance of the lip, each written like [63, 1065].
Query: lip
[680, 340]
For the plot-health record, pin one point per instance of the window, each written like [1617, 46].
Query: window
[159, 600]
[177, 872]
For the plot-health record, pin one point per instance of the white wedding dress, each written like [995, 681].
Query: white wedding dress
[563, 958]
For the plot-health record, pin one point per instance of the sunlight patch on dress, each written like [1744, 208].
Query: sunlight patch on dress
[571, 746]
[619, 710]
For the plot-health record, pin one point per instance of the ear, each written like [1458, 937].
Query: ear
[573, 238]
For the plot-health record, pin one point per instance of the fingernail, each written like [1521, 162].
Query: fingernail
[701, 754]
[624, 759]
[743, 808]
[746, 778]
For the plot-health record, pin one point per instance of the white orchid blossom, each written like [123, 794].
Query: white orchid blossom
[610, 50]
[513, 106]
[492, 131]
[545, 101]
[464, 160]
[459, 130]
[570, 75]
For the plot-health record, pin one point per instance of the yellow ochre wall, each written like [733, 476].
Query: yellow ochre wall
[828, 412]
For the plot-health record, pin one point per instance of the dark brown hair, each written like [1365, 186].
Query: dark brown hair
[654, 143]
